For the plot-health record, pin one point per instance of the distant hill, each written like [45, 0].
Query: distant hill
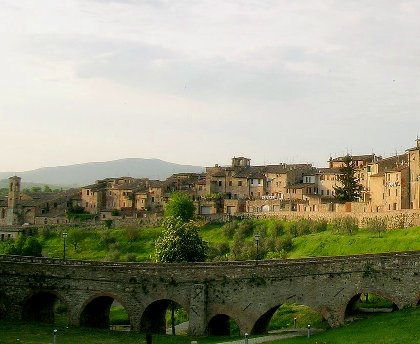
[88, 173]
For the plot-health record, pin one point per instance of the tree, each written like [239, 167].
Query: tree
[180, 205]
[75, 236]
[47, 189]
[350, 190]
[25, 246]
[180, 242]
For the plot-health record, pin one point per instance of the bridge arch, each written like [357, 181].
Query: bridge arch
[350, 310]
[95, 310]
[224, 315]
[42, 306]
[153, 319]
[222, 325]
[284, 315]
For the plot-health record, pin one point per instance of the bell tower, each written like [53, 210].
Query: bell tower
[14, 192]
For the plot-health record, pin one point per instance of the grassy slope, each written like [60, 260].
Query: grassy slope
[327, 244]
[318, 244]
[393, 328]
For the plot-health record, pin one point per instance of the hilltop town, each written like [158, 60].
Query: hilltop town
[389, 184]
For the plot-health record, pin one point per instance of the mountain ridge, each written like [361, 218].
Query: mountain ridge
[87, 173]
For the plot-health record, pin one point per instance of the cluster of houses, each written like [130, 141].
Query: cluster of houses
[389, 184]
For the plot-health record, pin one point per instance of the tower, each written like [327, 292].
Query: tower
[14, 192]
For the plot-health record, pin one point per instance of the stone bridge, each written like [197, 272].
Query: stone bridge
[212, 293]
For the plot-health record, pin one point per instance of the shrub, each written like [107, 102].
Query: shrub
[293, 229]
[303, 227]
[113, 256]
[318, 226]
[25, 246]
[108, 223]
[345, 225]
[276, 229]
[246, 228]
[262, 230]
[131, 257]
[107, 238]
[218, 251]
[237, 246]
[132, 233]
[284, 244]
[229, 229]
[45, 233]
[376, 225]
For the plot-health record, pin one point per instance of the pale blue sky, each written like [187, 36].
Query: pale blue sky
[198, 82]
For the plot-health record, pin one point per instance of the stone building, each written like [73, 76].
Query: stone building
[414, 175]
[36, 208]
[125, 196]
[245, 188]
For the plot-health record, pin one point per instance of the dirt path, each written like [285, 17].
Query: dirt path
[271, 337]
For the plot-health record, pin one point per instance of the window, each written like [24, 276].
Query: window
[220, 183]
[240, 183]
[153, 199]
[328, 192]
[87, 192]
[230, 183]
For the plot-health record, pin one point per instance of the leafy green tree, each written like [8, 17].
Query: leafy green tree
[47, 189]
[76, 236]
[36, 189]
[350, 190]
[32, 247]
[180, 205]
[180, 242]
[377, 225]
[25, 246]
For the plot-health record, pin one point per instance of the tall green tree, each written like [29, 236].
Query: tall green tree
[180, 242]
[350, 189]
[180, 205]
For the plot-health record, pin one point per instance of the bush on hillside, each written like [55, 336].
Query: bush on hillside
[131, 233]
[345, 225]
[377, 225]
[24, 246]
[229, 229]
[245, 228]
[276, 229]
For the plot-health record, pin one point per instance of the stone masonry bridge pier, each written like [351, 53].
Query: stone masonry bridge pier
[211, 293]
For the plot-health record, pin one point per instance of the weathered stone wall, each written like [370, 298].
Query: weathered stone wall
[245, 291]
[406, 218]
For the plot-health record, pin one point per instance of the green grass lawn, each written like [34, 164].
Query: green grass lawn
[400, 327]
[34, 333]
[329, 244]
